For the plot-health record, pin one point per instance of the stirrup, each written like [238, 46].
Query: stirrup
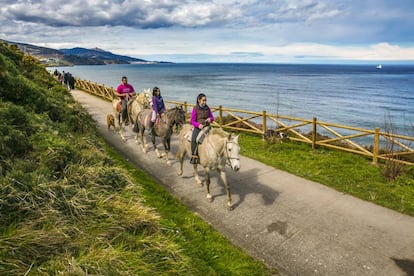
[194, 159]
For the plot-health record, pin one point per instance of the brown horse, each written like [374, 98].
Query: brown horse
[163, 128]
[218, 149]
[117, 107]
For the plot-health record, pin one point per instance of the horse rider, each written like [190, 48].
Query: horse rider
[158, 106]
[201, 117]
[124, 91]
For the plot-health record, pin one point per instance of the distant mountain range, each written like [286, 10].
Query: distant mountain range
[75, 56]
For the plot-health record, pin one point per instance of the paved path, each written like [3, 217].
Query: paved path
[297, 226]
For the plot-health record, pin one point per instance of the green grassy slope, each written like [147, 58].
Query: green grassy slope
[70, 206]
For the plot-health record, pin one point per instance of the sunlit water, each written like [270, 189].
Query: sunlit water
[354, 95]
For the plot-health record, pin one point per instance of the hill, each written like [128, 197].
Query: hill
[67, 208]
[99, 54]
[74, 56]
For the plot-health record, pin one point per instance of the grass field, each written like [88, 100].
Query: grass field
[345, 172]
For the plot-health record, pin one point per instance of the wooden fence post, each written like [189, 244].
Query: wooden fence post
[264, 120]
[376, 146]
[185, 110]
[313, 132]
[220, 115]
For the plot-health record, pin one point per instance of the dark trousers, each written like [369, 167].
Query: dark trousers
[124, 109]
[194, 147]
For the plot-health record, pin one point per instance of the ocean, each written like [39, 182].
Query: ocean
[353, 95]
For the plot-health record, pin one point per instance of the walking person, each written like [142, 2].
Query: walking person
[201, 117]
[158, 106]
[124, 91]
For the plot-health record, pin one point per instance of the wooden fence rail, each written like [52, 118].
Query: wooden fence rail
[377, 145]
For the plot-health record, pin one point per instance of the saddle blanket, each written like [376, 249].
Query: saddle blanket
[200, 138]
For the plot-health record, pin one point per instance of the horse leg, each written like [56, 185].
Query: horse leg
[137, 133]
[180, 156]
[136, 126]
[207, 175]
[121, 131]
[155, 146]
[227, 185]
[143, 140]
[166, 150]
[159, 154]
[196, 176]
[118, 119]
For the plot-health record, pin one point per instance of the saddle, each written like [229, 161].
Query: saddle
[200, 137]
[157, 120]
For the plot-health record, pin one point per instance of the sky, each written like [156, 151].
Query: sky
[262, 31]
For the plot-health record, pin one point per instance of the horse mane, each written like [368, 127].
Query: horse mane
[219, 131]
[140, 98]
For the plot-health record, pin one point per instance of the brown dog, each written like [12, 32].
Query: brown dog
[110, 121]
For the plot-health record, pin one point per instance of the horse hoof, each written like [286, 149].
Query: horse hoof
[180, 173]
[230, 207]
[209, 198]
[169, 163]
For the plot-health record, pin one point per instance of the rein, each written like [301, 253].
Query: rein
[171, 122]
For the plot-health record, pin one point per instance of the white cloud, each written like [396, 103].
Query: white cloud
[257, 30]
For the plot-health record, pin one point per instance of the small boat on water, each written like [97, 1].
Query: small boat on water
[379, 66]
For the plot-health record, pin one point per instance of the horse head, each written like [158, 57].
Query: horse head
[175, 116]
[232, 152]
[144, 98]
[179, 119]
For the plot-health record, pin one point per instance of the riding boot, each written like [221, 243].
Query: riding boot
[194, 150]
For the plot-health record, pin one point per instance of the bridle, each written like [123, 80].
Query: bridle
[228, 159]
[176, 118]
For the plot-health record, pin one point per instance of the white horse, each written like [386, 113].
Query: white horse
[139, 104]
[218, 149]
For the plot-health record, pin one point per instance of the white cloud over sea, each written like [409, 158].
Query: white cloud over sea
[220, 31]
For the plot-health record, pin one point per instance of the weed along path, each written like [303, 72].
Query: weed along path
[297, 226]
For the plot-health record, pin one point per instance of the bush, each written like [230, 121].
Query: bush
[15, 130]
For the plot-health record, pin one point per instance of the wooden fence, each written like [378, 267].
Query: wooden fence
[377, 145]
